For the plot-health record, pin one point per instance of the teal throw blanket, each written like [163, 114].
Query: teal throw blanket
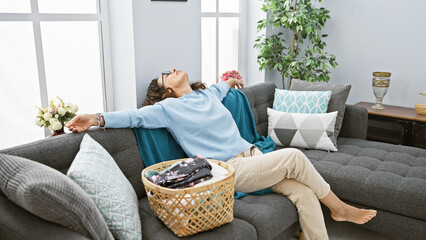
[158, 145]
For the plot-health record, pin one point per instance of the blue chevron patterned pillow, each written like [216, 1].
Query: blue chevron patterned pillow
[301, 101]
[97, 173]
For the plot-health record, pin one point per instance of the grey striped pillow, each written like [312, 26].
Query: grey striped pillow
[51, 195]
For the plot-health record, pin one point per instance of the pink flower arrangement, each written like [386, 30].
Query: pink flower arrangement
[231, 74]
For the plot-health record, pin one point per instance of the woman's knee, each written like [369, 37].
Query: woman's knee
[295, 155]
[294, 152]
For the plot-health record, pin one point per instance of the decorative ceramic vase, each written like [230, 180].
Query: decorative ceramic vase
[58, 132]
[381, 81]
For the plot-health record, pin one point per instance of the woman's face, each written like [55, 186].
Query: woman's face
[175, 79]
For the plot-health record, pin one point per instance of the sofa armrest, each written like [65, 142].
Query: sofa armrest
[355, 122]
[16, 223]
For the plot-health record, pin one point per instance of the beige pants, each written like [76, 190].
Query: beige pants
[289, 172]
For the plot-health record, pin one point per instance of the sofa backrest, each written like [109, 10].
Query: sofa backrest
[260, 97]
[59, 152]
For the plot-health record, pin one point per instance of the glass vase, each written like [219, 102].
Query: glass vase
[381, 82]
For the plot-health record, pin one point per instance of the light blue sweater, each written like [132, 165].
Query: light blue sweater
[198, 121]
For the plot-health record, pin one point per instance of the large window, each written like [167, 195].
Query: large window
[50, 48]
[220, 38]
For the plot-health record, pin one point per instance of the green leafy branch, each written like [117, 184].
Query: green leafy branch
[305, 23]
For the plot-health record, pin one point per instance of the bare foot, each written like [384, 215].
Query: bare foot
[353, 214]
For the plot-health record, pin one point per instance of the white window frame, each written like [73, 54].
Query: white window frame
[241, 15]
[104, 44]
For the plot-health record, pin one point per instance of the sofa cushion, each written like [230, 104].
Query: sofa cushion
[391, 224]
[339, 95]
[384, 176]
[270, 214]
[98, 174]
[154, 229]
[51, 195]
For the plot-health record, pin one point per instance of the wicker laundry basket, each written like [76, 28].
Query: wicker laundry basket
[191, 210]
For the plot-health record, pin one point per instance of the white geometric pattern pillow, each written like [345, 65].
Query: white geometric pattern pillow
[97, 173]
[311, 131]
[301, 101]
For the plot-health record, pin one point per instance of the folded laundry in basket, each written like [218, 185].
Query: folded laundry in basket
[200, 176]
[184, 174]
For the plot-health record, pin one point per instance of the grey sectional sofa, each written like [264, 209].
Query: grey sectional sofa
[389, 178]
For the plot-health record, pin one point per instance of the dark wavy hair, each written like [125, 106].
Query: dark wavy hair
[156, 93]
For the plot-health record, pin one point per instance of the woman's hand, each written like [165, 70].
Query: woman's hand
[82, 122]
[234, 82]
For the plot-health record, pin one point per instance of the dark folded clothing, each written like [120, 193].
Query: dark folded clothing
[201, 176]
[182, 172]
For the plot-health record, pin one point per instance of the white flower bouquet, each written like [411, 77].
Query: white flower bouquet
[55, 116]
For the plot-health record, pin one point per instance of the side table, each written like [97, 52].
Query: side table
[397, 125]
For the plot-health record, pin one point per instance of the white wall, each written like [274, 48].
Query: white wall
[122, 53]
[150, 37]
[253, 15]
[380, 35]
[167, 35]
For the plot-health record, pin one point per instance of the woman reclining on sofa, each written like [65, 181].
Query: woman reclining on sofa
[200, 123]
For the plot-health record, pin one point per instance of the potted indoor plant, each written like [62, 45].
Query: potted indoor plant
[305, 22]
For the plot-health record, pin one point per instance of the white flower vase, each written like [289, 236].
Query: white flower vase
[381, 81]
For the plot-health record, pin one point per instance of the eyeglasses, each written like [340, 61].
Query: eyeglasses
[166, 73]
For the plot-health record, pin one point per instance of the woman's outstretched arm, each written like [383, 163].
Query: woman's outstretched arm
[147, 117]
